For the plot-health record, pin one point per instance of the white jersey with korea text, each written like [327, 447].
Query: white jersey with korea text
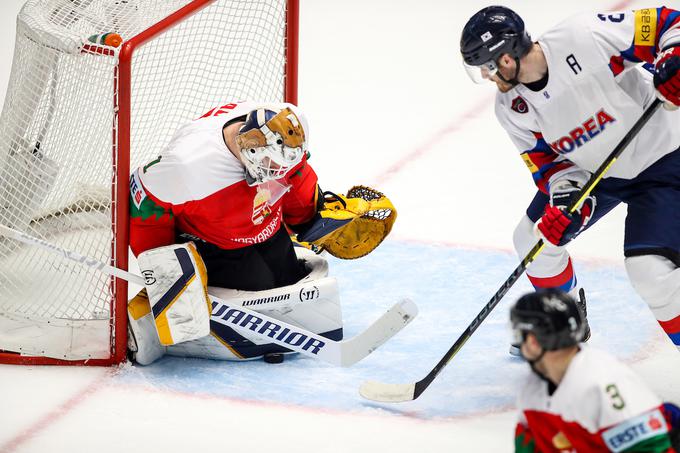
[594, 94]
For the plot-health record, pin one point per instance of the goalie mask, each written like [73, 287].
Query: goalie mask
[271, 144]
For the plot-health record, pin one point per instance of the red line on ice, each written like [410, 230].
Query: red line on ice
[54, 415]
[458, 123]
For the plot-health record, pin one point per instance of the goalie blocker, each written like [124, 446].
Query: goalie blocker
[179, 322]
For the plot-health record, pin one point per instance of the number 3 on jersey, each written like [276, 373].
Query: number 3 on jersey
[615, 396]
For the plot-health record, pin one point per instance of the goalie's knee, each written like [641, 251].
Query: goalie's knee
[317, 266]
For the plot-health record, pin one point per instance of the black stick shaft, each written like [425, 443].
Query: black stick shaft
[535, 251]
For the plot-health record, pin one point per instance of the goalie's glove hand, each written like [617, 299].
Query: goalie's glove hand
[336, 211]
[557, 226]
[349, 226]
[667, 75]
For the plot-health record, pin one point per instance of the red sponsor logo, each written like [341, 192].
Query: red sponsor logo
[655, 423]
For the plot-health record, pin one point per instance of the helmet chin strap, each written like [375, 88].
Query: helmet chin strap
[513, 81]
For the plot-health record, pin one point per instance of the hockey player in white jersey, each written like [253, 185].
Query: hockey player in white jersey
[577, 398]
[566, 100]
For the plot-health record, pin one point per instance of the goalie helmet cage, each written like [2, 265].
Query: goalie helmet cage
[78, 115]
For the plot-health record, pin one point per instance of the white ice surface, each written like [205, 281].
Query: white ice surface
[389, 105]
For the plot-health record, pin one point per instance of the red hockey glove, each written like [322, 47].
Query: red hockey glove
[667, 75]
[557, 226]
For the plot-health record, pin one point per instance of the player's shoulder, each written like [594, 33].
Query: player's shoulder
[576, 21]
[572, 31]
[599, 375]
[598, 364]
[588, 30]
[621, 394]
[584, 22]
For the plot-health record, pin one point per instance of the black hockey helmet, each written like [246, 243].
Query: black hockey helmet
[490, 33]
[552, 315]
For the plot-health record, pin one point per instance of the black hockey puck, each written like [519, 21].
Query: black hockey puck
[273, 357]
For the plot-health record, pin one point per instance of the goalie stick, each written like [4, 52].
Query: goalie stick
[395, 393]
[243, 320]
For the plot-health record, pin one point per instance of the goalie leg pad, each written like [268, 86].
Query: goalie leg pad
[176, 282]
[143, 343]
[313, 304]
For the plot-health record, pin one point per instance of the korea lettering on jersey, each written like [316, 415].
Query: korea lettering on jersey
[596, 90]
[599, 406]
[197, 186]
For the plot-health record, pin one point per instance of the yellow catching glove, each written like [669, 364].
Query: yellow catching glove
[351, 226]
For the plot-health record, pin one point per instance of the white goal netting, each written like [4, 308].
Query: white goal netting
[62, 142]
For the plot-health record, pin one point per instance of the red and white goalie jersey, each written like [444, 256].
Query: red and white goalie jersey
[596, 90]
[599, 406]
[198, 187]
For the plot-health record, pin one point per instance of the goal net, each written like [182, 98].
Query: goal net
[79, 114]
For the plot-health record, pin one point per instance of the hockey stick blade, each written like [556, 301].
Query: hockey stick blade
[339, 353]
[387, 393]
[384, 328]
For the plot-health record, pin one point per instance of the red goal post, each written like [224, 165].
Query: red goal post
[79, 115]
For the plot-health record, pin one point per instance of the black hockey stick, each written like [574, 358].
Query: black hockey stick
[393, 393]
